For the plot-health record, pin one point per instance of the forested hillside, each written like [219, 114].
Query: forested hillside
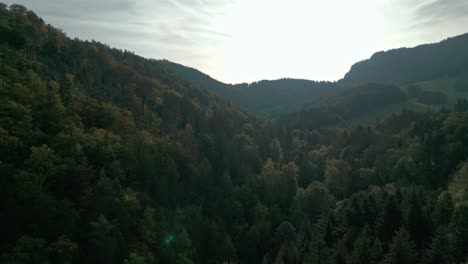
[410, 65]
[443, 64]
[108, 157]
[266, 99]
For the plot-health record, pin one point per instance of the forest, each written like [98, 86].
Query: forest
[109, 157]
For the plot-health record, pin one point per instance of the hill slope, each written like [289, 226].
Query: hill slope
[432, 77]
[272, 99]
[98, 146]
[409, 65]
[269, 99]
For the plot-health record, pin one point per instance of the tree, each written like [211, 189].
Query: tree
[362, 248]
[340, 254]
[459, 233]
[104, 200]
[105, 245]
[417, 224]
[405, 169]
[311, 202]
[402, 250]
[51, 113]
[42, 164]
[227, 250]
[177, 248]
[377, 251]
[303, 238]
[29, 250]
[318, 253]
[390, 220]
[441, 250]
[279, 184]
[458, 187]
[135, 258]
[287, 254]
[338, 177]
[443, 210]
[18, 9]
[462, 104]
[64, 250]
[286, 232]
[276, 150]
[148, 227]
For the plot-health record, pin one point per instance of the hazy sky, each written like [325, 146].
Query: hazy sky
[249, 40]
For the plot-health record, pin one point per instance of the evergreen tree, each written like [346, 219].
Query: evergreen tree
[390, 220]
[402, 250]
[441, 249]
[362, 248]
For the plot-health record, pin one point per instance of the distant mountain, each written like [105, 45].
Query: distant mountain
[409, 65]
[357, 103]
[272, 99]
[426, 77]
[269, 99]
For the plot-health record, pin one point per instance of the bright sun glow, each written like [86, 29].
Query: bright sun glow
[304, 39]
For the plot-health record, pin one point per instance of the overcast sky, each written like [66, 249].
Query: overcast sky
[248, 40]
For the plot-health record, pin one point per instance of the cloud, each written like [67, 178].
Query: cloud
[82, 8]
[167, 22]
[430, 13]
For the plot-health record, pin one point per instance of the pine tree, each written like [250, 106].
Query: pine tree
[318, 253]
[443, 210]
[303, 238]
[442, 248]
[416, 222]
[402, 250]
[391, 220]
[362, 248]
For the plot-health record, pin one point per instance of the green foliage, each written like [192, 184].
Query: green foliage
[359, 100]
[459, 186]
[106, 157]
[363, 251]
[280, 184]
[338, 177]
[268, 99]
[402, 250]
[442, 248]
[312, 202]
[432, 98]
[28, 250]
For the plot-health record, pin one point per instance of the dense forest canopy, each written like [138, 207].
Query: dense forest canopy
[108, 157]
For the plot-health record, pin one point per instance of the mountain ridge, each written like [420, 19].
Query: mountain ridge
[265, 98]
[401, 65]
[396, 66]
